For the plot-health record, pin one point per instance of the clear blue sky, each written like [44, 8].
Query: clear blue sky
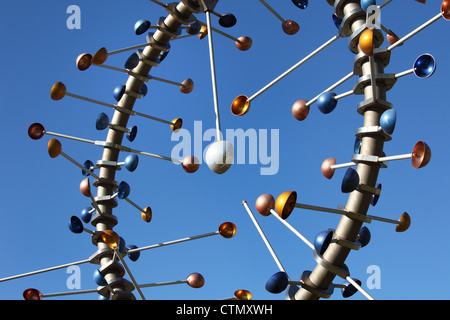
[39, 194]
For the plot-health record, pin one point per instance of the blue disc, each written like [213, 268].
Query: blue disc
[122, 244]
[367, 3]
[326, 102]
[118, 92]
[132, 134]
[336, 20]
[144, 90]
[322, 241]
[302, 4]
[424, 66]
[227, 20]
[132, 61]
[277, 283]
[388, 120]
[194, 28]
[357, 146]
[99, 279]
[85, 215]
[89, 165]
[350, 181]
[364, 236]
[375, 197]
[123, 190]
[141, 26]
[349, 289]
[75, 225]
[135, 255]
[131, 162]
[102, 121]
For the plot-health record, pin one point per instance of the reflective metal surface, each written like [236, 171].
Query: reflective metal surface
[405, 220]
[111, 239]
[147, 214]
[36, 131]
[54, 148]
[300, 110]
[85, 187]
[326, 167]
[326, 102]
[244, 43]
[421, 155]
[277, 283]
[84, 61]
[366, 42]
[240, 105]
[187, 86]
[58, 91]
[322, 241]
[350, 181]
[264, 203]
[227, 230]
[32, 294]
[195, 280]
[285, 203]
[190, 164]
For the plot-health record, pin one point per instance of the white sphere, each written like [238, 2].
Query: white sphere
[219, 156]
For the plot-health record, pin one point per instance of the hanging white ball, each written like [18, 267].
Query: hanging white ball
[219, 156]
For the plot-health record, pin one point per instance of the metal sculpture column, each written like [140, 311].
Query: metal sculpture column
[371, 143]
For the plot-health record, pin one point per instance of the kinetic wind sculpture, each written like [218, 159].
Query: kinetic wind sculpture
[111, 247]
[354, 19]
[330, 247]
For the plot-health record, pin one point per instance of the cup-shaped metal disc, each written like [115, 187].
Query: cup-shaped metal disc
[187, 86]
[290, 27]
[264, 203]
[421, 155]
[392, 38]
[445, 9]
[322, 241]
[141, 26]
[300, 110]
[123, 190]
[75, 224]
[190, 164]
[131, 162]
[132, 61]
[122, 244]
[102, 121]
[54, 148]
[84, 61]
[388, 120]
[376, 197]
[203, 32]
[147, 214]
[227, 230]
[143, 90]
[277, 283]
[99, 279]
[405, 220]
[219, 156]
[366, 42]
[349, 289]
[132, 134]
[244, 43]
[134, 256]
[194, 28]
[367, 3]
[350, 181]
[302, 4]
[89, 165]
[85, 187]
[326, 102]
[227, 20]
[243, 294]
[326, 169]
[32, 294]
[100, 56]
[58, 91]
[111, 239]
[86, 215]
[357, 146]
[176, 125]
[36, 131]
[195, 280]
[424, 66]
[364, 236]
[240, 105]
[336, 20]
[118, 92]
[285, 203]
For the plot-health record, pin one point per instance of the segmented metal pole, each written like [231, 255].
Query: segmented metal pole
[372, 144]
[112, 271]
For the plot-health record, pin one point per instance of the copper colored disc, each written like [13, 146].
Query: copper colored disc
[85, 187]
[111, 239]
[243, 295]
[36, 131]
[203, 32]
[58, 91]
[326, 167]
[190, 164]
[290, 27]
[244, 43]
[240, 105]
[264, 203]
[177, 124]
[195, 280]
[285, 203]
[54, 148]
[300, 110]
[187, 86]
[421, 155]
[84, 61]
[32, 294]
[100, 56]
[445, 9]
[227, 230]
[392, 38]
[405, 219]
[147, 214]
